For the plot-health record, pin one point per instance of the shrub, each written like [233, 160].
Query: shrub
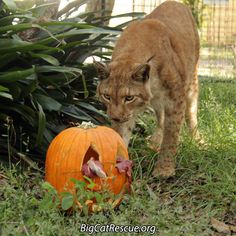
[44, 82]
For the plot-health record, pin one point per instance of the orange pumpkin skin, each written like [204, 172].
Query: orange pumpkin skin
[74, 146]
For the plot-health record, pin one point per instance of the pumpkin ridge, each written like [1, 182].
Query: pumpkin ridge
[108, 149]
[96, 136]
[56, 154]
[78, 136]
[65, 160]
[84, 144]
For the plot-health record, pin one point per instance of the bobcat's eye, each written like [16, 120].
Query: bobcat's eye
[129, 98]
[106, 97]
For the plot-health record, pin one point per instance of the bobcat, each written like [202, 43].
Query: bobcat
[154, 63]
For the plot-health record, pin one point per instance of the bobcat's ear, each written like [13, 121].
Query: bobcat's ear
[141, 73]
[102, 69]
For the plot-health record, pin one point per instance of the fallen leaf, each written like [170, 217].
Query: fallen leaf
[220, 226]
[124, 166]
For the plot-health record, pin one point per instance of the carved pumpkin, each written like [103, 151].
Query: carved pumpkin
[74, 148]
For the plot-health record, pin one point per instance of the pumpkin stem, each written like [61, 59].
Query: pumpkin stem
[87, 125]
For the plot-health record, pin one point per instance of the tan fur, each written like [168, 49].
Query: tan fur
[168, 35]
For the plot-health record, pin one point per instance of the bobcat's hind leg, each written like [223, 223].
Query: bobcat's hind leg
[192, 109]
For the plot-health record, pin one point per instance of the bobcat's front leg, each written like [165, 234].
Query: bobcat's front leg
[174, 116]
[156, 139]
[124, 129]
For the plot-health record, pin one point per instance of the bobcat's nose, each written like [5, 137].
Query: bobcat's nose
[116, 119]
[119, 120]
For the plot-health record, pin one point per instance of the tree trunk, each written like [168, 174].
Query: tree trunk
[101, 8]
[49, 13]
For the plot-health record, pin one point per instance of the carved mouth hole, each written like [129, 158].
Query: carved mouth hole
[90, 153]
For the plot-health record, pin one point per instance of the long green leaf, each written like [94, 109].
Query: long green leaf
[131, 14]
[61, 69]
[6, 95]
[77, 113]
[50, 59]
[13, 45]
[8, 42]
[24, 26]
[3, 89]
[48, 103]
[86, 92]
[68, 23]
[13, 76]
[17, 27]
[41, 125]
[91, 108]
[48, 135]
[77, 32]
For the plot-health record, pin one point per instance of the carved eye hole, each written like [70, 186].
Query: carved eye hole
[129, 98]
[106, 97]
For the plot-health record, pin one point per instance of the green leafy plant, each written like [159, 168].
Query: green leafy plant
[82, 201]
[50, 198]
[45, 83]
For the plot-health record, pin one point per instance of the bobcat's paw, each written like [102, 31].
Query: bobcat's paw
[199, 139]
[165, 167]
[154, 147]
[154, 142]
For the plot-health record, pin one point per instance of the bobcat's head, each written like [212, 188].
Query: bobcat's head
[124, 88]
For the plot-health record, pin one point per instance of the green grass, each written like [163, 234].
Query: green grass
[204, 186]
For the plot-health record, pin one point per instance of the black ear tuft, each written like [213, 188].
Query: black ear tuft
[141, 73]
[102, 69]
